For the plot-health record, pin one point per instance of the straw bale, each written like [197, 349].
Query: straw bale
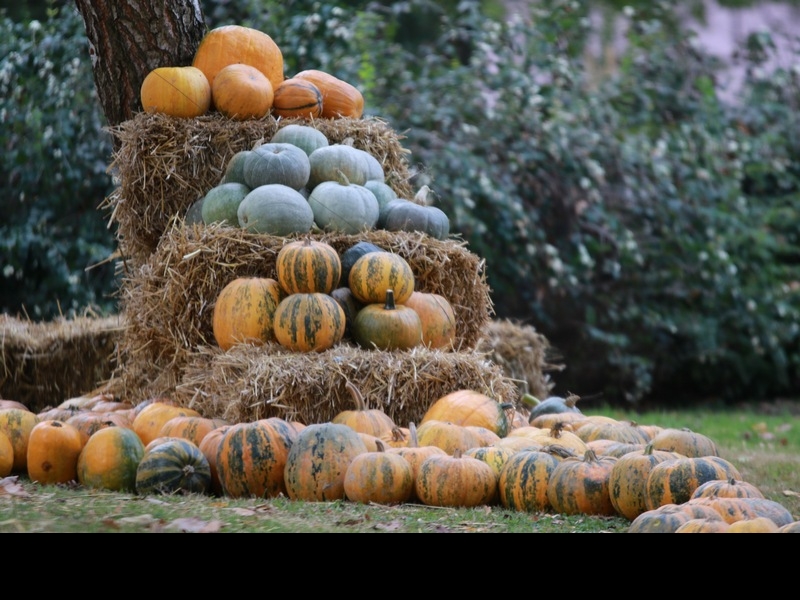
[45, 363]
[247, 384]
[168, 303]
[163, 165]
[524, 355]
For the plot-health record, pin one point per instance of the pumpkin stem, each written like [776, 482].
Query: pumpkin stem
[389, 300]
[571, 400]
[357, 395]
[413, 441]
[530, 400]
[341, 178]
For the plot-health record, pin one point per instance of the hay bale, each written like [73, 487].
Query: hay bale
[246, 384]
[45, 363]
[523, 354]
[164, 165]
[168, 302]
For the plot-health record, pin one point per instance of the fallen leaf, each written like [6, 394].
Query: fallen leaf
[193, 525]
[143, 520]
[393, 526]
[791, 493]
[10, 487]
[243, 512]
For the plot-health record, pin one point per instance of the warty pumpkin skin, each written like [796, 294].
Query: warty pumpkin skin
[110, 458]
[251, 458]
[309, 322]
[244, 312]
[173, 466]
[308, 266]
[53, 451]
[318, 461]
[455, 481]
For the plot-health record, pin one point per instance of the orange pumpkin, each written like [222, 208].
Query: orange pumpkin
[245, 311]
[437, 317]
[17, 425]
[380, 477]
[387, 326]
[88, 422]
[182, 92]
[230, 44]
[365, 420]
[242, 92]
[53, 450]
[148, 423]
[455, 481]
[375, 272]
[339, 98]
[297, 98]
[190, 428]
[110, 458]
[6, 455]
[308, 266]
[469, 407]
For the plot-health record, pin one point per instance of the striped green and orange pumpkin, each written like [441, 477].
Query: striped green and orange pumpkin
[172, 467]
[685, 441]
[308, 266]
[674, 481]
[580, 485]
[375, 272]
[309, 322]
[727, 488]
[380, 477]
[628, 479]
[17, 424]
[244, 311]
[670, 517]
[523, 481]
[251, 458]
[318, 461]
[110, 458]
[455, 481]
[297, 98]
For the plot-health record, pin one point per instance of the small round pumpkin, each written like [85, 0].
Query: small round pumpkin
[297, 98]
[53, 451]
[309, 322]
[183, 92]
[415, 454]
[303, 136]
[375, 272]
[455, 481]
[674, 481]
[242, 92]
[378, 477]
[330, 162]
[727, 488]
[685, 441]
[308, 266]
[339, 98]
[344, 207]
[366, 420]
[522, 482]
[387, 326]
[275, 209]
[171, 467]
[580, 485]
[245, 310]
[148, 423]
[351, 255]
[404, 215]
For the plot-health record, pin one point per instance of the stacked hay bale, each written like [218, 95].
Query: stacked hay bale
[173, 272]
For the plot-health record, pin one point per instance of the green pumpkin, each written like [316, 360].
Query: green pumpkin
[349, 257]
[221, 203]
[385, 194]
[194, 216]
[275, 210]
[173, 466]
[328, 162]
[234, 172]
[374, 167]
[344, 207]
[405, 215]
[302, 136]
[271, 163]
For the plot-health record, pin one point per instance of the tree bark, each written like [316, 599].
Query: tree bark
[128, 39]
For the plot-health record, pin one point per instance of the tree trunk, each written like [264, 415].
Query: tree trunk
[129, 39]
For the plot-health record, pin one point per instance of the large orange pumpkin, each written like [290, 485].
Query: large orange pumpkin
[110, 458]
[176, 91]
[469, 407]
[229, 44]
[245, 311]
[242, 92]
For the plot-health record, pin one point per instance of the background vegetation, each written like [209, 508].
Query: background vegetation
[642, 223]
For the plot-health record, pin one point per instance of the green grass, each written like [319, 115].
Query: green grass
[764, 447]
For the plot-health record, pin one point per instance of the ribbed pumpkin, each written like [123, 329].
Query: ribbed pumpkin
[523, 481]
[148, 423]
[110, 458]
[738, 509]
[685, 441]
[333, 161]
[379, 477]
[674, 481]
[306, 137]
[88, 422]
[275, 209]
[318, 461]
[242, 92]
[404, 215]
[230, 44]
[183, 92]
[53, 451]
[366, 420]
[308, 266]
[309, 322]
[728, 488]
[628, 479]
[669, 517]
[448, 436]
[438, 319]
[172, 467]
[415, 454]
[297, 98]
[375, 272]
[17, 424]
[190, 428]
[339, 98]
[252, 457]
[754, 525]
[244, 312]
[387, 326]
[581, 485]
[275, 163]
[344, 207]
[703, 526]
[470, 407]
[6, 455]
[209, 446]
[455, 481]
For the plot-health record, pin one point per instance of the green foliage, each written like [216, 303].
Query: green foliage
[53, 172]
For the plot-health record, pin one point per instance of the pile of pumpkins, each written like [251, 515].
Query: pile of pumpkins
[239, 72]
[319, 298]
[299, 182]
[468, 450]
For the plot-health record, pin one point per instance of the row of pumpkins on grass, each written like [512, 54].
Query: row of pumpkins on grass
[319, 297]
[299, 181]
[239, 72]
[469, 450]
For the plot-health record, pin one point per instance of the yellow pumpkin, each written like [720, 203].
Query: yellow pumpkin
[176, 91]
[245, 311]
